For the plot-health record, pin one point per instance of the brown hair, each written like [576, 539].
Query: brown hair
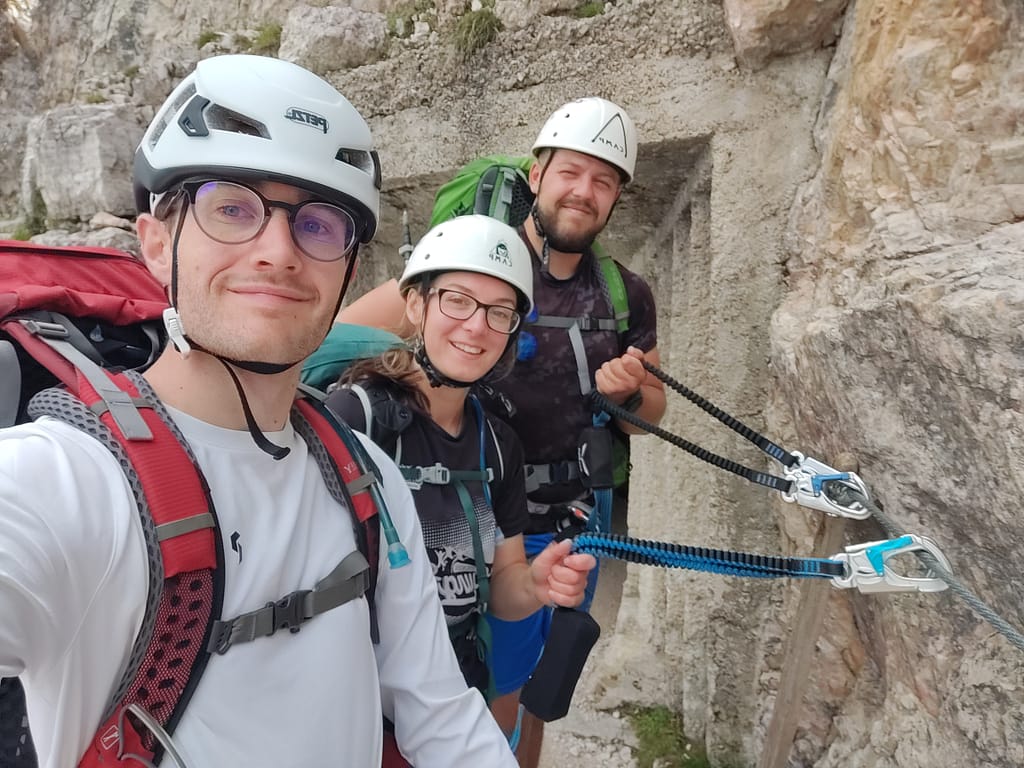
[395, 370]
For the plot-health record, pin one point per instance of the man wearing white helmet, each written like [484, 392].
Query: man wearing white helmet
[585, 154]
[256, 182]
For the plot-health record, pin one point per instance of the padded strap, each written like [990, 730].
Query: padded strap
[10, 384]
[120, 404]
[364, 400]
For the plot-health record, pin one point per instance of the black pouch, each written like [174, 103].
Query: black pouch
[548, 692]
[595, 455]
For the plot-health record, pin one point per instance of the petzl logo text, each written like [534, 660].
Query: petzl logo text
[297, 115]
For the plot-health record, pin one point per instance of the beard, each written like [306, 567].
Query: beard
[564, 237]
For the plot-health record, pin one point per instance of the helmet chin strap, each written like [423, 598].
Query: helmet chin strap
[434, 376]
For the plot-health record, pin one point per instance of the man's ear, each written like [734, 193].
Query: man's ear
[534, 176]
[155, 244]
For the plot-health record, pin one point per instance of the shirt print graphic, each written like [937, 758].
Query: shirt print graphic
[450, 549]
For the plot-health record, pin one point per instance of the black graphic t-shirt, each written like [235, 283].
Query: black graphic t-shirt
[446, 530]
[551, 412]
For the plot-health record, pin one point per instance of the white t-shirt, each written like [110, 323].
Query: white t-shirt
[73, 589]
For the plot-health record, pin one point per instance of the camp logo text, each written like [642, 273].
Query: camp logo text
[613, 135]
[297, 115]
[500, 254]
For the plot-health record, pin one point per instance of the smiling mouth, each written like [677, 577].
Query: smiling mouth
[469, 349]
[269, 292]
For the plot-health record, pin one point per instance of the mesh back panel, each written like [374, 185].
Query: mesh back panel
[177, 640]
[522, 201]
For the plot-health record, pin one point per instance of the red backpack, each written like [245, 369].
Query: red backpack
[75, 325]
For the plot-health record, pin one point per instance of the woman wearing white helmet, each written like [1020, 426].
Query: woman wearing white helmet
[467, 287]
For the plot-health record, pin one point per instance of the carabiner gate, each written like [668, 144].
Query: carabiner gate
[819, 486]
[867, 567]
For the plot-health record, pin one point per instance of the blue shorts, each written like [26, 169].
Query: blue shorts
[515, 649]
[516, 646]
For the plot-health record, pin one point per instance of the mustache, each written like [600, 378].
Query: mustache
[578, 202]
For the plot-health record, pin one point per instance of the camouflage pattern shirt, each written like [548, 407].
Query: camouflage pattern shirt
[544, 388]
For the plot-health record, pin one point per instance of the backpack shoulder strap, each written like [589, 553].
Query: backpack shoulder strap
[364, 400]
[185, 587]
[500, 474]
[352, 478]
[615, 286]
[385, 417]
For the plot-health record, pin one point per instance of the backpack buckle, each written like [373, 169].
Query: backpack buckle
[289, 611]
[45, 329]
[438, 474]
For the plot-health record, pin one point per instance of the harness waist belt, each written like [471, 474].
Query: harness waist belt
[538, 475]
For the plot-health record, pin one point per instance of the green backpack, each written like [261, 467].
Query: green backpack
[498, 186]
[495, 185]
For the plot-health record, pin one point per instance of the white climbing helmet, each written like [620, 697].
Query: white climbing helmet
[474, 243]
[593, 126]
[257, 118]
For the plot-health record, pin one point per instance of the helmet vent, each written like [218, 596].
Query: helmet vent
[221, 119]
[367, 162]
[169, 112]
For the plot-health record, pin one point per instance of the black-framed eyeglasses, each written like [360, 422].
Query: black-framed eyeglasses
[461, 306]
[234, 213]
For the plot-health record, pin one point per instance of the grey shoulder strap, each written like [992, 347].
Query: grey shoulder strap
[497, 450]
[364, 400]
[10, 384]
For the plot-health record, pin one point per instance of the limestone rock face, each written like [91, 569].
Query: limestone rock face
[79, 158]
[900, 339]
[765, 28]
[330, 38]
[829, 206]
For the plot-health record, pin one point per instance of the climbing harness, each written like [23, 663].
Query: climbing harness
[810, 483]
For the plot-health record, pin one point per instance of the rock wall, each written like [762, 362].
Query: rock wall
[829, 205]
[900, 339]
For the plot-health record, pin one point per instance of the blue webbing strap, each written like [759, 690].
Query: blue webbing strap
[704, 559]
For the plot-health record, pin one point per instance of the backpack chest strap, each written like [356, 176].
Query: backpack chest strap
[583, 322]
[438, 474]
[578, 350]
[349, 580]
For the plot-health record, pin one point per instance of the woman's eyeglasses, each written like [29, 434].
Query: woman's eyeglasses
[460, 306]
